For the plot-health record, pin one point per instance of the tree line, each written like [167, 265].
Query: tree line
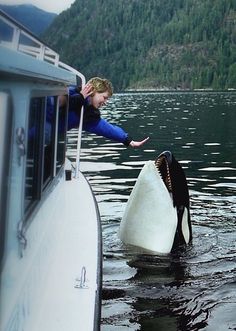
[181, 44]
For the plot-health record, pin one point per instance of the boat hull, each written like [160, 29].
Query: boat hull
[58, 283]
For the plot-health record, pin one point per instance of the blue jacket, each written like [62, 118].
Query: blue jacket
[92, 121]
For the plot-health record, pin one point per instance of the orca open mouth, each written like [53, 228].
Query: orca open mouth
[162, 166]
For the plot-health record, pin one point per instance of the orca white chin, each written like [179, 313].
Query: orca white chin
[150, 219]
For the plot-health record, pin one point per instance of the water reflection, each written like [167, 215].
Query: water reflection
[193, 289]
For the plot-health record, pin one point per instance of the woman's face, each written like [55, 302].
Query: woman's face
[99, 99]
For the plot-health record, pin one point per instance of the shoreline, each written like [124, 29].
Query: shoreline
[160, 90]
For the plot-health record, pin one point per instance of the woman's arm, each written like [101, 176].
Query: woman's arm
[113, 132]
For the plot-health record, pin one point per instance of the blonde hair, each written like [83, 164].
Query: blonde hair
[101, 85]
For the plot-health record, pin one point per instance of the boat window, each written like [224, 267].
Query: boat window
[36, 114]
[61, 134]
[49, 139]
[45, 146]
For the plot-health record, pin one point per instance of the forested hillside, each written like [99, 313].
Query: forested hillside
[182, 44]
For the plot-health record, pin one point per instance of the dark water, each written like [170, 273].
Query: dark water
[190, 290]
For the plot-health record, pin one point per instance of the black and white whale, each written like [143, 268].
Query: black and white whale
[157, 216]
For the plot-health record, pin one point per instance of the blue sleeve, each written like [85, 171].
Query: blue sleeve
[107, 130]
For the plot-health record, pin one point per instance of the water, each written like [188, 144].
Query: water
[190, 290]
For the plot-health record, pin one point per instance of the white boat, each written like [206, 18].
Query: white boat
[51, 244]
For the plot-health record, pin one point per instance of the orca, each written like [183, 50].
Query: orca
[157, 214]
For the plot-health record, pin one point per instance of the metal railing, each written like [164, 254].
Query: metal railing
[15, 36]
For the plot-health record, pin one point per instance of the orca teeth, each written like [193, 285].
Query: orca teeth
[157, 164]
[160, 175]
[166, 179]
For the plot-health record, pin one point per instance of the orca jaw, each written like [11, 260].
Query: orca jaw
[175, 181]
[162, 164]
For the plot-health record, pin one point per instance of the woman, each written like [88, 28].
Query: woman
[93, 96]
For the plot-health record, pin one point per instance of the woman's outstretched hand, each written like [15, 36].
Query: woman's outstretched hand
[136, 144]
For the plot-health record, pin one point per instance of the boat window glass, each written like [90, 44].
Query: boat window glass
[61, 134]
[49, 139]
[32, 187]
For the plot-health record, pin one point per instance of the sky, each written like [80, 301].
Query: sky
[48, 5]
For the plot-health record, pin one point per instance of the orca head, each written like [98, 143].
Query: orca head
[156, 217]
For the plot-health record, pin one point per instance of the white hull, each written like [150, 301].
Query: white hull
[45, 295]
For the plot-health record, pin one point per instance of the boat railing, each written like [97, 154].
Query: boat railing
[15, 36]
[22, 40]
[18, 38]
